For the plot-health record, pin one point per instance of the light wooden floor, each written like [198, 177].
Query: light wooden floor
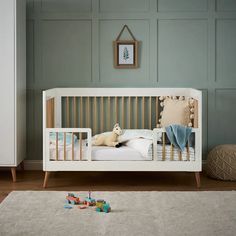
[109, 181]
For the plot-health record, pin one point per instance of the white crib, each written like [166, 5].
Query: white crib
[81, 111]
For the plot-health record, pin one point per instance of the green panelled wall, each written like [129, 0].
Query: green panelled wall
[184, 43]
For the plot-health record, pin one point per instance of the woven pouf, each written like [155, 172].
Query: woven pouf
[221, 162]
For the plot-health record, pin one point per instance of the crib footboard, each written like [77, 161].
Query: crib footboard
[66, 144]
[167, 152]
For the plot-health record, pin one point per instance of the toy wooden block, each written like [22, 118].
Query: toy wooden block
[72, 199]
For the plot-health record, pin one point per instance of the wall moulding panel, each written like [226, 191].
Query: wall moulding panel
[226, 5]
[66, 5]
[182, 5]
[226, 50]
[109, 30]
[66, 51]
[124, 5]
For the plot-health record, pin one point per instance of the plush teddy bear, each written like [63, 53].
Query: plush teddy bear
[110, 140]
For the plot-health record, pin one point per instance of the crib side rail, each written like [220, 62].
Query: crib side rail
[65, 133]
[156, 133]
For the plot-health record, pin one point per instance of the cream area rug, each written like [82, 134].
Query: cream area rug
[133, 213]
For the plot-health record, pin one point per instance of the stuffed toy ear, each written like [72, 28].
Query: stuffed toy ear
[116, 125]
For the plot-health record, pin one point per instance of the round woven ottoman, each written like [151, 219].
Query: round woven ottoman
[221, 162]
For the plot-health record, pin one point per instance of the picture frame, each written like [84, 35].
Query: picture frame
[125, 54]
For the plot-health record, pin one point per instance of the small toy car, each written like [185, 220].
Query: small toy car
[72, 199]
[102, 206]
[89, 201]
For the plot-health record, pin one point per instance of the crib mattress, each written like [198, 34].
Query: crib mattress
[99, 153]
[124, 153]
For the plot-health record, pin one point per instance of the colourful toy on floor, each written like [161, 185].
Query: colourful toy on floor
[102, 206]
[72, 199]
[89, 201]
[67, 206]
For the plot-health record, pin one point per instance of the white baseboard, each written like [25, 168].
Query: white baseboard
[38, 164]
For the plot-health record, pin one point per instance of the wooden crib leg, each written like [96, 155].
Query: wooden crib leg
[197, 177]
[13, 173]
[46, 177]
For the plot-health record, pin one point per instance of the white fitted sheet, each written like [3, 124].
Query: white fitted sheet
[99, 153]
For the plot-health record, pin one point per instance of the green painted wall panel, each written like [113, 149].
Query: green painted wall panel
[109, 30]
[226, 50]
[186, 43]
[124, 5]
[182, 52]
[226, 5]
[67, 5]
[182, 5]
[66, 51]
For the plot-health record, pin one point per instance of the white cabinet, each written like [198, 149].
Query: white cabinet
[12, 83]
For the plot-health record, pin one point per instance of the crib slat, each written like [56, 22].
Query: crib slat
[95, 115]
[81, 112]
[129, 108]
[49, 114]
[156, 107]
[123, 111]
[150, 112]
[188, 154]
[72, 147]
[75, 111]
[56, 146]
[143, 112]
[64, 146]
[195, 120]
[116, 110]
[88, 112]
[53, 109]
[80, 146]
[136, 109]
[163, 146]
[102, 116]
[109, 112]
[180, 155]
[67, 112]
[171, 152]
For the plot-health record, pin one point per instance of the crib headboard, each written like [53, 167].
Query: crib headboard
[100, 108]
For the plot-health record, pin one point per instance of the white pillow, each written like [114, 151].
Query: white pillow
[129, 134]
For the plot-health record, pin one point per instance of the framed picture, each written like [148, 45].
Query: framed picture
[125, 54]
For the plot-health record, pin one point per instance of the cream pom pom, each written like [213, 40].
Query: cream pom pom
[192, 110]
[159, 120]
[161, 113]
[161, 98]
[181, 98]
[190, 124]
[191, 116]
[174, 97]
[191, 101]
[162, 104]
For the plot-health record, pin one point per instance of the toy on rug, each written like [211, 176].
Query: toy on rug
[72, 199]
[102, 206]
[67, 206]
[89, 201]
[110, 140]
